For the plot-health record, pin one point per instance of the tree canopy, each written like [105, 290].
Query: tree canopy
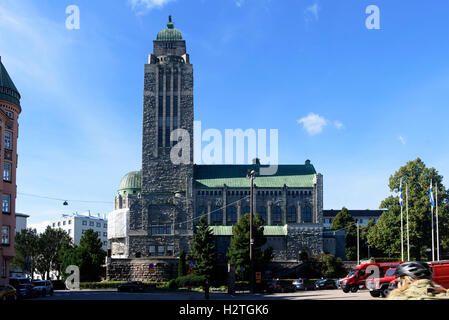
[386, 234]
[203, 249]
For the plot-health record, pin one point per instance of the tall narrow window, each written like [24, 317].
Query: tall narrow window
[5, 235]
[307, 215]
[291, 214]
[160, 120]
[175, 112]
[161, 80]
[4, 268]
[231, 215]
[6, 201]
[152, 250]
[167, 121]
[276, 216]
[262, 211]
[160, 250]
[8, 140]
[217, 216]
[175, 80]
[167, 81]
[7, 171]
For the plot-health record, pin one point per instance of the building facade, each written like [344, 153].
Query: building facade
[158, 206]
[21, 222]
[77, 223]
[9, 127]
[360, 216]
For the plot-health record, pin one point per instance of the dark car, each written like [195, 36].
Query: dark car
[131, 286]
[280, 286]
[26, 290]
[304, 284]
[43, 287]
[326, 284]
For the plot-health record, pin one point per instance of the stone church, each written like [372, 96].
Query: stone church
[158, 206]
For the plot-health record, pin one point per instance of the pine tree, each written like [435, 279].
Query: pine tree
[203, 249]
[238, 252]
[182, 268]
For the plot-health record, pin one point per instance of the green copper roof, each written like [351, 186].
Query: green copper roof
[234, 176]
[170, 33]
[131, 183]
[8, 91]
[267, 230]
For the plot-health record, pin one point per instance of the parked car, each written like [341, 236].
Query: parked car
[7, 292]
[304, 284]
[131, 286]
[280, 286]
[26, 291]
[325, 284]
[43, 287]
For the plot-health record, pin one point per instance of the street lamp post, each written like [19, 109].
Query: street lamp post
[251, 175]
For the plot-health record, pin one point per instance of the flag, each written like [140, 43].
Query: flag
[432, 201]
[400, 194]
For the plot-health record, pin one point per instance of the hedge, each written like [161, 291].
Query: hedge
[191, 280]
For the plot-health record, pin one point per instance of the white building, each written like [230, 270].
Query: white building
[76, 224]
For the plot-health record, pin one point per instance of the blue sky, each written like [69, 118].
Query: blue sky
[358, 103]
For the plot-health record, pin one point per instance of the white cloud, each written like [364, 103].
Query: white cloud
[142, 6]
[402, 140]
[338, 124]
[239, 3]
[313, 9]
[313, 123]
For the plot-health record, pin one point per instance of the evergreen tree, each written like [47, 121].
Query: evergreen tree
[90, 256]
[203, 249]
[238, 252]
[182, 266]
[344, 220]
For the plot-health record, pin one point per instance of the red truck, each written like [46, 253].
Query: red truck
[357, 277]
[380, 287]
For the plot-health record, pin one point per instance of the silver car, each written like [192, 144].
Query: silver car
[43, 287]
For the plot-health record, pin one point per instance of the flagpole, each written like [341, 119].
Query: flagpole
[438, 240]
[431, 215]
[408, 235]
[402, 235]
[402, 222]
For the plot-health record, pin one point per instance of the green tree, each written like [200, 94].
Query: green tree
[203, 249]
[386, 234]
[344, 220]
[327, 266]
[90, 256]
[182, 264]
[238, 252]
[27, 250]
[49, 244]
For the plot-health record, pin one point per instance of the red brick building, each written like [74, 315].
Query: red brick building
[9, 114]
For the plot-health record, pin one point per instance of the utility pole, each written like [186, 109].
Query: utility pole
[251, 175]
[358, 246]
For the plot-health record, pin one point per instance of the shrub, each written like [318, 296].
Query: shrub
[172, 284]
[191, 280]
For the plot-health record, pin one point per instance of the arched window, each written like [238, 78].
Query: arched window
[262, 211]
[231, 215]
[276, 216]
[217, 216]
[307, 215]
[291, 214]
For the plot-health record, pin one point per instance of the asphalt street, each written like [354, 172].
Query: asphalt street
[299, 295]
